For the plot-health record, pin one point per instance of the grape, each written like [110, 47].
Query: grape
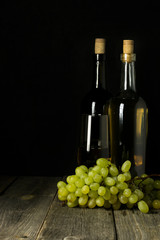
[107, 204]
[83, 200]
[113, 170]
[127, 192]
[101, 191]
[130, 205]
[78, 192]
[97, 178]
[85, 169]
[139, 193]
[91, 173]
[156, 204]
[158, 195]
[113, 199]
[94, 186]
[122, 185]
[63, 191]
[88, 180]
[79, 171]
[93, 194]
[79, 183]
[71, 197]
[83, 175]
[116, 205]
[143, 207]
[100, 201]
[157, 184]
[123, 199]
[92, 203]
[126, 166]
[107, 195]
[62, 198]
[72, 179]
[102, 162]
[71, 187]
[96, 169]
[61, 184]
[85, 189]
[109, 181]
[127, 176]
[104, 172]
[72, 204]
[114, 190]
[133, 198]
[121, 178]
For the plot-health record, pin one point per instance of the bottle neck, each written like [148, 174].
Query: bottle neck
[128, 78]
[100, 61]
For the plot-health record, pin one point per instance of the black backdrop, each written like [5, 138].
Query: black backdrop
[46, 69]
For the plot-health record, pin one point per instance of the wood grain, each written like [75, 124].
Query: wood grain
[80, 223]
[5, 182]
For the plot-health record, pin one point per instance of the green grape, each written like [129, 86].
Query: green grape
[83, 200]
[113, 170]
[91, 173]
[88, 180]
[148, 200]
[143, 207]
[113, 190]
[121, 178]
[96, 169]
[127, 176]
[116, 205]
[107, 195]
[94, 186]
[71, 187]
[85, 169]
[113, 199]
[107, 204]
[156, 204]
[78, 192]
[79, 171]
[61, 184]
[127, 192]
[148, 181]
[130, 205]
[122, 185]
[92, 203]
[79, 183]
[133, 198]
[63, 191]
[126, 166]
[72, 204]
[148, 187]
[100, 201]
[101, 191]
[97, 178]
[104, 172]
[93, 194]
[62, 198]
[123, 199]
[109, 181]
[157, 184]
[102, 162]
[144, 175]
[71, 197]
[139, 193]
[85, 189]
[83, 175]
[158, 195]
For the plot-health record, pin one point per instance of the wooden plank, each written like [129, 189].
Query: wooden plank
[24, 206]
[6, 181]
[132, 224]
[80, 223]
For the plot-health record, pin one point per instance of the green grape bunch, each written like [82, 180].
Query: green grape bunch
[104, 185]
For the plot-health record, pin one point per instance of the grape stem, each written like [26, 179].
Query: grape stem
[142, 178]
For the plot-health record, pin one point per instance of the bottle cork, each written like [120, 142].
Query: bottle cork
[128, 46]
[100, 45]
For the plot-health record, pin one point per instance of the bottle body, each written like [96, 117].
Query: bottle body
[129, 124]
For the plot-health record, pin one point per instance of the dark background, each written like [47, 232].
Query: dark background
[46, 69]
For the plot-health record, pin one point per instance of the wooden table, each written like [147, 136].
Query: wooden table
[29, 209]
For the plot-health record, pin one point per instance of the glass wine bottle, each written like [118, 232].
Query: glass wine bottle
[128, 117]
[94, 135]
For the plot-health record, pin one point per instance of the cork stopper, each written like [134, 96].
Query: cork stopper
[128, 46]
[100, 45]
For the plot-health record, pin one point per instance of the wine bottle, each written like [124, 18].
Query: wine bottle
[128, 117]
[94, 134]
